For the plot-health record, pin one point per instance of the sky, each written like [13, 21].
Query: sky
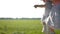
[20, 9]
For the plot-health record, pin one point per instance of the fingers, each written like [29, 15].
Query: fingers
[35, 6]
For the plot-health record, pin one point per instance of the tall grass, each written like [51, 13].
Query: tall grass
[20, 27]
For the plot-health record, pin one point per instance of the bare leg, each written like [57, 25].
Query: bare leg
[52, 30]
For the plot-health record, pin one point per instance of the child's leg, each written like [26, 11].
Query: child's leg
[52, 30]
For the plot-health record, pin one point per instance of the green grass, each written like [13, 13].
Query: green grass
[57, 31]
[20, 27]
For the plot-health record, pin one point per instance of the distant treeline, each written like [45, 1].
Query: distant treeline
[21, 18]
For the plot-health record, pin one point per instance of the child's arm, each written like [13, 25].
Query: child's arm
[39, 6]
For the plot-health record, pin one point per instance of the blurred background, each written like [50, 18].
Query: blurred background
[20, 17]
[20, 9]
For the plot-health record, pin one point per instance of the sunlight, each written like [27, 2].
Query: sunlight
[20, 8]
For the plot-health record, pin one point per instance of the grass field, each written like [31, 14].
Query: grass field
[21, 27]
